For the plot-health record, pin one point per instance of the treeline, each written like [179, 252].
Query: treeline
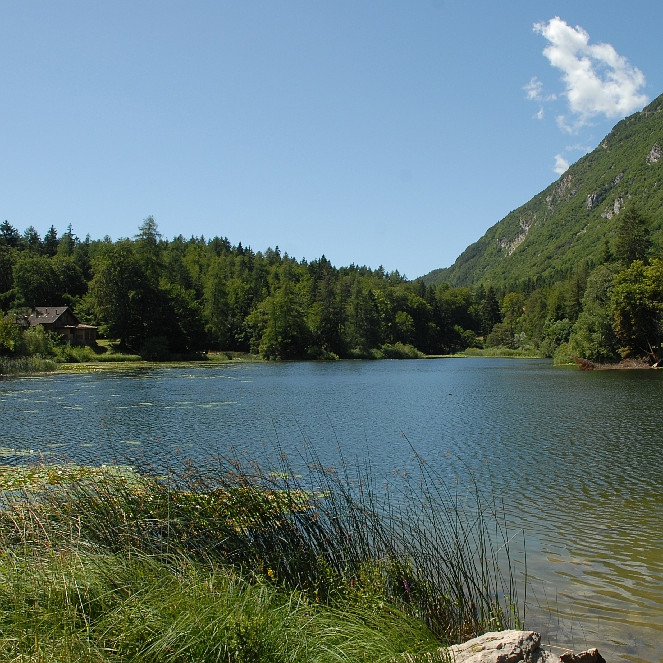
[603, 310]
[162, 298]
[175, 297]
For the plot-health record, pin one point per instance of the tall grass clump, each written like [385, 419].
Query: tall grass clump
[236, 562]
[20, 365]
[501, 351]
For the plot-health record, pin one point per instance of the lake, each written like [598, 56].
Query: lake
[576, 457]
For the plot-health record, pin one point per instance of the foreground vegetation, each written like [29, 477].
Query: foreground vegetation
[240, 564]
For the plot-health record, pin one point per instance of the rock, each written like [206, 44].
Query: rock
[499, 647]
[589, 656]
[655, 154]
[503, 647]
[513, 647]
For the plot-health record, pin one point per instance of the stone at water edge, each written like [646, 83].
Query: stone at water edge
[512, 647]
[589, 656]
[498, 647]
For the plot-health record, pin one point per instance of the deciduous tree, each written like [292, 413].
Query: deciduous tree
[35, 281]
[637, 304]
[593, 336]
[123, 296]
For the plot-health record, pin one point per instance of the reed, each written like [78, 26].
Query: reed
[32, 364]
[238, 562]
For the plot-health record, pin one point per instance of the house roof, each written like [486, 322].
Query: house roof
[49, 314]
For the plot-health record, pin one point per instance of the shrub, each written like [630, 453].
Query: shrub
[563, 355]
[398, 350]
[555, 333]
[10, 336]
[155, 348]
[74, 353]
[38, 342]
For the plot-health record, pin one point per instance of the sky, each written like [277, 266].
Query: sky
[380, 133]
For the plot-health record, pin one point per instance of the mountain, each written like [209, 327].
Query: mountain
[569, 223]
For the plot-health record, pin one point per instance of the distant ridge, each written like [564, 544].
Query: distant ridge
[569, 222]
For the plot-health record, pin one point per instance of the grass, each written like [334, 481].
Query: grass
[50, 355]
[100, 352]
[245, 564]
[20, 365]
[106, 608]
[525, 353]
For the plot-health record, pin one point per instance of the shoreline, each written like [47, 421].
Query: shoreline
[623, 365]
[224, 358]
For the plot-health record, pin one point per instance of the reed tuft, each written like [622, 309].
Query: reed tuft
[239, 562]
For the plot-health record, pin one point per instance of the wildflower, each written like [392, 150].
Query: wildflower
[270, 573]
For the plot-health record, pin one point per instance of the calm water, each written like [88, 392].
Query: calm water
[577, 457]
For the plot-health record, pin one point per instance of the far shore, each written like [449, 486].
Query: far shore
[625, 364]
[222, 357]
[133, 362]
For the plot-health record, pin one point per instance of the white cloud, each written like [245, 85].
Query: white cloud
[598, 80]
[565, 126]
[533, 89]
[561, 164]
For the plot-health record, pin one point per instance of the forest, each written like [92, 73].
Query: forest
[161, 299]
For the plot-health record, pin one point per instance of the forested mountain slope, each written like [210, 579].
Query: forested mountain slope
[570, 222]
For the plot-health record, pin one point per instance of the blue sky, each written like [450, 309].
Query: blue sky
[374, 132]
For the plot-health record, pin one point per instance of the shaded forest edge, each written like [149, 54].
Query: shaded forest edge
[246, 563]
[159, 299]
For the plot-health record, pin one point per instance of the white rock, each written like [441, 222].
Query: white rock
[502, 647]
[514, 647]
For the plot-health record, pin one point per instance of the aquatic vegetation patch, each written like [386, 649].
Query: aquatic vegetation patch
[38, 477]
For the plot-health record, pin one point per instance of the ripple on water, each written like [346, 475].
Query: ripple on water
[573, 459]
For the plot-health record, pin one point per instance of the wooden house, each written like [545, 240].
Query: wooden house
[61, 320]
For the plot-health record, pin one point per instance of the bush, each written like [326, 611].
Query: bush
[38, 342]
[555, 333]
[469, 339]
[315, 352]
[563, 355]
[74, 353]
[10, 336]
[397, 350]
[155, 348]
